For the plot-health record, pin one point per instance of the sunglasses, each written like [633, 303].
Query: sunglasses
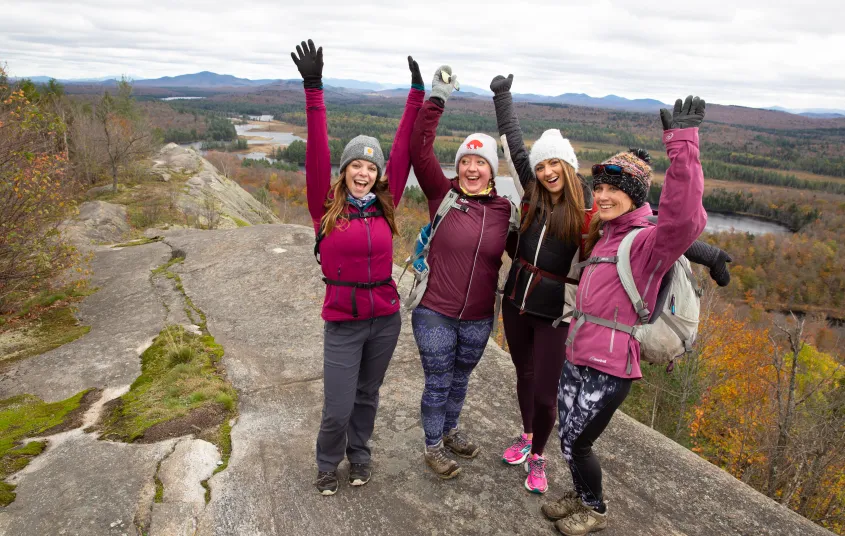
[610, 169]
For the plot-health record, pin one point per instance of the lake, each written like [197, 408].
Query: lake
[181, 98]
[274, 138]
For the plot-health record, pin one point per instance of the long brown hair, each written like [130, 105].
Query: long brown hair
[566, 217]
[336, 204]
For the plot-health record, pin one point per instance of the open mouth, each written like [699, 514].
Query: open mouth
[552, 180]
[605, 207]
[361, 184]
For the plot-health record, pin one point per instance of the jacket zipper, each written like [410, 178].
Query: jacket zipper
[536, 257]
[613, 331]
[336, 288]
[369, 270]
[478, 247]
[651, 277]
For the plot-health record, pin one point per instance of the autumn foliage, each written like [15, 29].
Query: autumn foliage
[35, 196]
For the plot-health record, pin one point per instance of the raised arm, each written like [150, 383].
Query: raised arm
[430, 175]
[682, 215]
[318, 167]
[508, 126]
[399, 165]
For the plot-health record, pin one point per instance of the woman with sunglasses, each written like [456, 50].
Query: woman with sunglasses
[602, 362]
[557, 208]
[354, 221]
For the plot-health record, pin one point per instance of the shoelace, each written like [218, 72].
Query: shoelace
[440, 455]
[459, 440]
[537, 466]
[326, 478]
[520, 443]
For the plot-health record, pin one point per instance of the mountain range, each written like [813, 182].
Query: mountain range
[207, 80]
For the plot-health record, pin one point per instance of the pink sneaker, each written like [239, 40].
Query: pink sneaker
[518, 451]
[536, 481]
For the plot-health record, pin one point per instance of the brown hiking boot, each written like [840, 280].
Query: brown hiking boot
[457, 442]
[582, 522]
[442, 465]
[566, 505]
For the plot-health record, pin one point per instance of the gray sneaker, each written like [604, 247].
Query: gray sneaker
[566, 505]
[458, 443]
[582, 522]
[442, 465]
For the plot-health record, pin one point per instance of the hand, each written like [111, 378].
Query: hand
[500, 84]
[416, 77]
[310, 64]
[441, 88]
[687, 115]
[719, 270]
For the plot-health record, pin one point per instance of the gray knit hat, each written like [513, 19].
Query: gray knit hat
[363, 148]
[552, 144]
[481, 145]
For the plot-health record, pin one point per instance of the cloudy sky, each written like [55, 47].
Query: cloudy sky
[764, 53]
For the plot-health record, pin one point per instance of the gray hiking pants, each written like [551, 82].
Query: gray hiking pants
[356, 354]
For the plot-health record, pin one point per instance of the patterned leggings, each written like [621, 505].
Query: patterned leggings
[586, 400]
[449, 350]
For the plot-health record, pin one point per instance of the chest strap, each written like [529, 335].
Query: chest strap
[355, 286]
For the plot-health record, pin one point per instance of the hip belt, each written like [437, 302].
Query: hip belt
[355, 286]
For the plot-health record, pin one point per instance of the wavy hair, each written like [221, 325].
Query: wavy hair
[336, 202]
[565, 217]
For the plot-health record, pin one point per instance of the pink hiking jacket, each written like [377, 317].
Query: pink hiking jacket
[361, 251]
[600, 292]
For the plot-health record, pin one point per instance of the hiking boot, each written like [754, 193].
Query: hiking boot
[536, 481]
[566, 505]
[584, 521]
[326, 482]
[457, 442]
[359, 473]
[442, 465]
[518, 451]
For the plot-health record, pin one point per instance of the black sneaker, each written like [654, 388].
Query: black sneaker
[326, 482]
[359, 473]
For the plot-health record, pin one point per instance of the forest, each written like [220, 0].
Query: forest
[763, 394]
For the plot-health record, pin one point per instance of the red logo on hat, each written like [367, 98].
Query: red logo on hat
[474, 144]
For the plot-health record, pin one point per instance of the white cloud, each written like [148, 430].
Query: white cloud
[758, 53]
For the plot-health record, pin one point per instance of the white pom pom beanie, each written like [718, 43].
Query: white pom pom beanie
[552, 144]
[481, 145]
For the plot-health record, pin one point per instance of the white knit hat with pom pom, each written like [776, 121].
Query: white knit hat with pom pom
[552, 144]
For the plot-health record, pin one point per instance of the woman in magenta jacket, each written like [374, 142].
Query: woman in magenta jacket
[601, 362]
[354, 221]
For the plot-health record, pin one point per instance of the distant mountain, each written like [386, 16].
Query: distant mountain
[581, 99]
[204, 79]
[817, 113]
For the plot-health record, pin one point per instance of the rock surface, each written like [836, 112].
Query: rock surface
[260, 290]
[98, 222]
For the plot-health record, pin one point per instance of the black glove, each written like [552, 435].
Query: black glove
[713, 258]
[500, 84]
[687, 115]
[310, 64]
[416, 77]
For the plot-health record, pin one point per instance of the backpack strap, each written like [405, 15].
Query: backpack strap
[626, 275]
[378, 212]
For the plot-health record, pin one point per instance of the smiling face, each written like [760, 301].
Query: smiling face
[550, 174]
[360, 177]
[474, 174]
[612, 201]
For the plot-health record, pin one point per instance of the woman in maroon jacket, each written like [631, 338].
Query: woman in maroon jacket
[353, 219]
[453, 321]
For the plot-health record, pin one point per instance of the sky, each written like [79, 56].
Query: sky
[756, 53]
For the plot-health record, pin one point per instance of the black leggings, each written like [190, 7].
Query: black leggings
[586, 402]
[537, 350]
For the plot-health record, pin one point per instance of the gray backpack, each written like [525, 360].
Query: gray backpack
[669, 330]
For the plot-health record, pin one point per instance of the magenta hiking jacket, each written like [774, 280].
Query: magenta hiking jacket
[654, 251]
[466, 252]
[361, 251]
